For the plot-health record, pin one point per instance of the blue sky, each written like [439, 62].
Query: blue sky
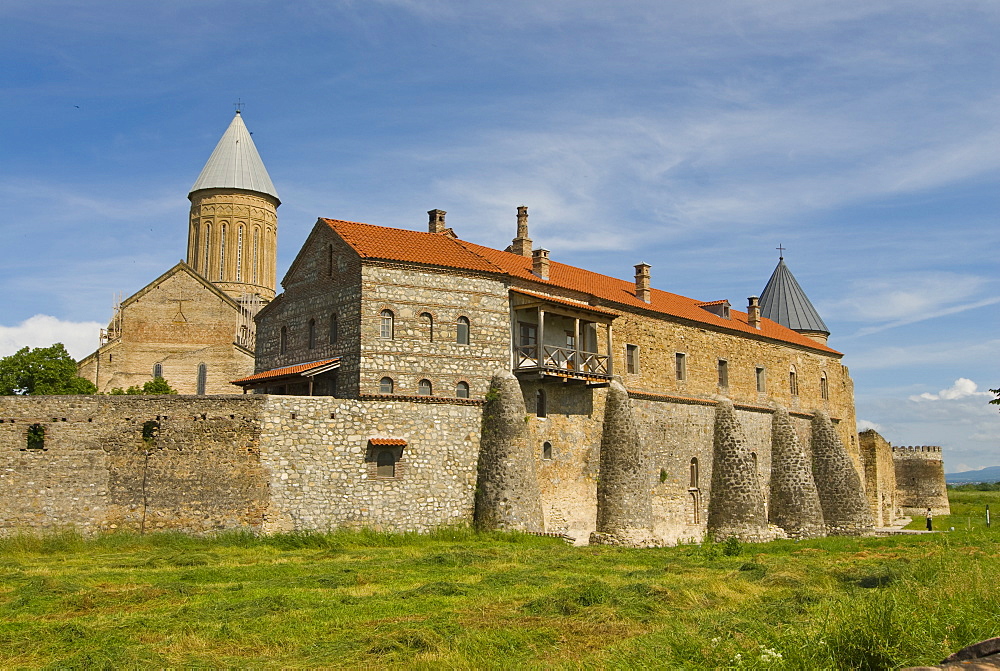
[864, 137]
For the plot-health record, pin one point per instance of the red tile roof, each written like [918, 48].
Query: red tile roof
[287, 371]
[387, 441]
[563, 301]
[393, 244]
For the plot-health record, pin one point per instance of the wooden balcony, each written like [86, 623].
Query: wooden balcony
[561, 362]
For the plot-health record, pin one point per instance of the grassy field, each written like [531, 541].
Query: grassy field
[462, 599]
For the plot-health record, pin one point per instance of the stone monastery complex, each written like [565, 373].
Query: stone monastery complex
[404, 380]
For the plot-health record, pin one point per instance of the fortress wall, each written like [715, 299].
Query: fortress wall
[323, 470]
[920, 483]
[201, 471]
[880, 476]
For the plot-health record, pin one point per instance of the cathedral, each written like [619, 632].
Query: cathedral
[194, 324]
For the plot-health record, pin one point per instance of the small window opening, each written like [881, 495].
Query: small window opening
[150, 429]
[546, 450]
[283, 340]
[723, 373]
[36, 437]
[793, 382]
[462, 332]
[386, 327]
[540, 405]
[462, 390]
[202, 379]
[663, 475]
[424, 388]
[680, 365]
[312, 334]
[824, 387]
[385, 464]
[693, 482]
[157, 370]
[761, 380]
[632, 358]
[428, 321]
[385, 385]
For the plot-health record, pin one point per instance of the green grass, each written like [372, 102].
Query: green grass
[968, 511]
[458, 598]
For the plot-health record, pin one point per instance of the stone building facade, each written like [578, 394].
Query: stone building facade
[194, 324]
[920, 483]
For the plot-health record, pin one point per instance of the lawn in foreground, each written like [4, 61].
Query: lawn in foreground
[461, 599]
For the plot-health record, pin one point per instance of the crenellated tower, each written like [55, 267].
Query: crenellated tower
[233, 231]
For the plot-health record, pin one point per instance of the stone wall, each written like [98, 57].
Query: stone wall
[880, 476]
[920, 482]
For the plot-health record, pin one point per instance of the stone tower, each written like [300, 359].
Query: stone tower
[233, 232]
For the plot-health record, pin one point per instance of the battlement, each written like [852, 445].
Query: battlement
[916, 452]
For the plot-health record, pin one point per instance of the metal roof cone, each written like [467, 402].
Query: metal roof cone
[784, 301]
[235, 164]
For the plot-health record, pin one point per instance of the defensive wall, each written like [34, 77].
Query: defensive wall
[880, 476]
[920, 484]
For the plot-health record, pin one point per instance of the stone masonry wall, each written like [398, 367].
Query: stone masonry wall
[795, 504]
[880, 476]
[736, 507]
[920, 482]
[841, 493]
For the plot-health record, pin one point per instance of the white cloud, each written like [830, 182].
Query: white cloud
[864, 425]
[963, 388]
[80, 338]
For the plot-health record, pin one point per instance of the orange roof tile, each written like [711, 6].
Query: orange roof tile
[394, 244]
[287, 371]
[563, 301]
[387, 441]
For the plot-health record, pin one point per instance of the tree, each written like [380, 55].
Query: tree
[155, 386]
[40, 372]
[996, 401]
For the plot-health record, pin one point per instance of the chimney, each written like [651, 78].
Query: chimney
[753, 312]
[540, 263]
[642, 282]
[522, 243]
[436, 221]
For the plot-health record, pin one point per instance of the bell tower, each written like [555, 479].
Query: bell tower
[233, 230]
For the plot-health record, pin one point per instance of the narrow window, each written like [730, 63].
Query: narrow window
[761, 380]
[723, 373]
[283, 340]
[753, 461]
[462, 390]
[824, 387]
[329, 260]
[540, 409]
[312, 334]
[195, 245]
[462, 333]
[546, 450]
[428, 323]
[256, 248]
[793, 382]
[35, 439]
[632, 358]
[386, 329]
[695, 503]
[385, 385]
[202, 378]
[222, 251]
[239, 253]
[693, 482]
[424, 387]
[150, 429]
[333, 328]
[680, 365]
[208, 249]
[157, 370]
[385, 464]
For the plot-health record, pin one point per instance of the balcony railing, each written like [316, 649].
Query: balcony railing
[561, 360]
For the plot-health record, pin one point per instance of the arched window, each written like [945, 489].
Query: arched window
[693, 482]
[312, 334]
[256, 252]
[195, 244]
[462, 332]
[157, 370]
[695, 507]
[793, 382]
[333, 328]
[283, 340]
[824, 387]
[540, 409]
[385, 385]
[222, 251]
[462, 390]
[202, 378]
[428, 323]
[753, 461]
[385, 464]
[386, 329]
[424, 387]
[546, 450]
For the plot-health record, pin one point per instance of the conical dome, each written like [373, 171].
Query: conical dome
[784, 301]
[235, 164]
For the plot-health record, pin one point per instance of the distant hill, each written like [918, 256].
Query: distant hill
[988, 474]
